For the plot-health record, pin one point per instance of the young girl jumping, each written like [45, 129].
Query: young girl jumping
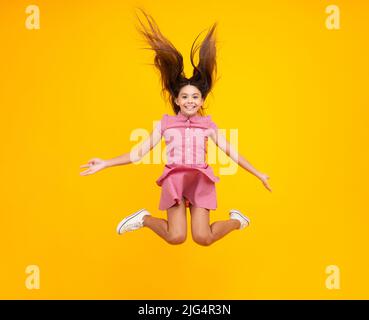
[187, 181]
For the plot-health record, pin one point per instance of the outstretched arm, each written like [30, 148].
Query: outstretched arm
[97, 164]
[138, 152]
[221, 141]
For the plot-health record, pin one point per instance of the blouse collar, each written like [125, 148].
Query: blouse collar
[195, 118]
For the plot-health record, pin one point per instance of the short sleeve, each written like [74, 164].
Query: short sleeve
[212, 125]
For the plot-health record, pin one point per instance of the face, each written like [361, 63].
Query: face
[189, 100]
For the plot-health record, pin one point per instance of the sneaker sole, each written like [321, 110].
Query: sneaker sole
[241, 215]
[126, 219]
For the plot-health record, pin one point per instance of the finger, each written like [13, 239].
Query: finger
[86, 172]
[267, 186]
[84, 166]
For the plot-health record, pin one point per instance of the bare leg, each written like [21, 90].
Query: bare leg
[221, 228]
[203, 233]
[173, 230]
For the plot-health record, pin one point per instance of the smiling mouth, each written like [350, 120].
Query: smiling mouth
[190, 107]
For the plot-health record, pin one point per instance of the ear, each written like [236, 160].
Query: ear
[176, 102]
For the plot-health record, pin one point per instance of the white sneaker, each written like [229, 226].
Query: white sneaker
[235, 214]
[132, 222]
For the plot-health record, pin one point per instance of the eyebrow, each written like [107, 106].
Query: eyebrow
[188, 94]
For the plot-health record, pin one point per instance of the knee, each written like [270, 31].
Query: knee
[176, 238]
[203, 239]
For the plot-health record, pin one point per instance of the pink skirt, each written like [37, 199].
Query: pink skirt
[189, 185]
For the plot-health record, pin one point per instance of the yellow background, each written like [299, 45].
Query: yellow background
[75, 89]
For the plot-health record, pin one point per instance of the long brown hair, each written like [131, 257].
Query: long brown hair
[169, 61]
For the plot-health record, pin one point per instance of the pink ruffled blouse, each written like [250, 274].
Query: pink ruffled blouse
[186, 144]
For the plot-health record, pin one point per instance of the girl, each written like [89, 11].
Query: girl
[187, 180]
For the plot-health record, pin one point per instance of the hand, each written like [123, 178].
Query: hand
[94, 165]
[263, 177]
